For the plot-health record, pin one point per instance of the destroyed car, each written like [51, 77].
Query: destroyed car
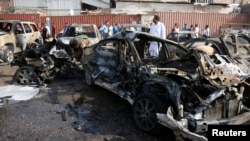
[40, 65]
[234, 30]
[15, 36]
[236, 45]
[183, 36]
[183, 89]
[77, 31]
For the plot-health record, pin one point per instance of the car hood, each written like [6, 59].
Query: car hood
[3, 33]
[66, 40]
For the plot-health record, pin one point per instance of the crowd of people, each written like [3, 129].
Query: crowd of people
[157, 28]
[108, 30]
[193, 28]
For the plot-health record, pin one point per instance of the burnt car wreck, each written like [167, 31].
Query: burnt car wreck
[40, 64]
[184, 89]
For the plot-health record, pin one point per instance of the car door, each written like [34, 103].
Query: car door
[21, 38]
[36, 35]
[28, 32]
[107, 59]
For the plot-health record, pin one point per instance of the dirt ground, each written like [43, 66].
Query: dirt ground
[69, 110]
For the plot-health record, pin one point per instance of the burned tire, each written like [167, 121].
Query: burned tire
[25, 75]
[144, 109]
[8, 55]
[87, 77]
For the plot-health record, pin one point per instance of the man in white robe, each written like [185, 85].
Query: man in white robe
[158, 29]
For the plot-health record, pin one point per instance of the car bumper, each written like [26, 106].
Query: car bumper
[1, 55]
[181, 126]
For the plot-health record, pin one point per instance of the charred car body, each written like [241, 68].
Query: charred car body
[40, 64]
[232, 43]
[183, 89]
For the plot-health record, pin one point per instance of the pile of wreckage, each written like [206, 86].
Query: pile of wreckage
[188, 87]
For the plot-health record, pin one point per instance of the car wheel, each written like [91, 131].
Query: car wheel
[87, 76]
[145, 108]
[25, 75]
[8, 55]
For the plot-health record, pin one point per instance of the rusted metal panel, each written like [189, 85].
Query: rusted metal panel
[28, 17]
[60, 21]
[214, 20]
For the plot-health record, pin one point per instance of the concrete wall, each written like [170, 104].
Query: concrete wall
[97, 3]
[145, 8]
[5, 6]
[49, 7]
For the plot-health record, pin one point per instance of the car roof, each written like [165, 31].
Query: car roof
[137, 25]
[16, 21]
[182, 32]
[76, 24]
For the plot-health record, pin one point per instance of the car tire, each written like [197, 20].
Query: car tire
[144, 111]
[26, 75]
[87, 76]
[8, 55]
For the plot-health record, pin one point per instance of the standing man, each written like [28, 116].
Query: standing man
[65, 27]
[196, 30]
[45, 32]
[53, 30]
[115, 28]
[158, 29]
[105, 30]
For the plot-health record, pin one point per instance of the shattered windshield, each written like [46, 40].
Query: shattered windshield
[80, 30]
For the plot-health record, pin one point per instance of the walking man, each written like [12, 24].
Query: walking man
[206, 32]
[196, 30]
[158, 29]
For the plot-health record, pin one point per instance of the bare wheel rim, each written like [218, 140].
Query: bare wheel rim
[145, 114]
[27, 77]
[9, 55]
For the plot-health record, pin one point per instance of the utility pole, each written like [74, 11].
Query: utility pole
[46, 6]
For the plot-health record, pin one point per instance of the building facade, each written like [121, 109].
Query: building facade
[78, 7]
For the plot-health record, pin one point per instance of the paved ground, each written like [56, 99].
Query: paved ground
[67, 109]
